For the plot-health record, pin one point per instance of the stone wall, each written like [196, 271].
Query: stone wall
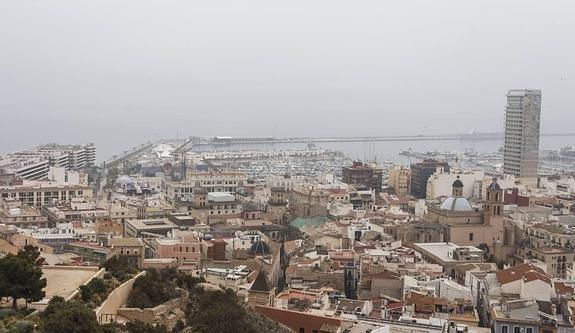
[166, 314]
[99, 274]
[108, 311]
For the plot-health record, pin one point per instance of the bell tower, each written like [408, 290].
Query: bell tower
[493, 206]
[457, 188]
[493, 219]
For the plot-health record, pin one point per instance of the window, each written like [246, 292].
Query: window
[529, 330]
[504, 329]
[301, 330]
[470, 236]
[516, 329]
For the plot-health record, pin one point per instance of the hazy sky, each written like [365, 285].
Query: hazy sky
[121, 72]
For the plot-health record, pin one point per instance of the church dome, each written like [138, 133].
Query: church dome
[260, 248]
[456, 204]
[125, 182]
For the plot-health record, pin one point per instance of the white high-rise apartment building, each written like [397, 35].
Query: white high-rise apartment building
[34, 163]
[522, 119]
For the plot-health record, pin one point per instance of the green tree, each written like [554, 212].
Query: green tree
[217, 311]
[290, 233]
[21, 276]
[68, 317]
[188, 281]
[95, 286]
[153, 289]
[120, 268]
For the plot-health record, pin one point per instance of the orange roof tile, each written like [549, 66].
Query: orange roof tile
[529, 271]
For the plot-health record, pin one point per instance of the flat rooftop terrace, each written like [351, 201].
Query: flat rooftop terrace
[65, 280]
[443, 250]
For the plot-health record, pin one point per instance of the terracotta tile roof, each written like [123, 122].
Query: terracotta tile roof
[562, 288]
[532, 276]
[340, 254]
[395, 305]
[529, 271]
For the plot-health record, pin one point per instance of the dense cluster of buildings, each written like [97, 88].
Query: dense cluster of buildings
[431, 247]
[35, 163]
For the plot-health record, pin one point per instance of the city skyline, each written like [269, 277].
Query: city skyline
[304, 166]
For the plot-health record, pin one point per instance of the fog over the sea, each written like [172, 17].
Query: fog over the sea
[119, 73]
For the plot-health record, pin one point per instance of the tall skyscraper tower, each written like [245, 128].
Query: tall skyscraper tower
[522, 119]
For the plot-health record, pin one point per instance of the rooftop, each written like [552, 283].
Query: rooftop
[527, 271]
[151, 224]
[221, 197]
[64, 280]
[126, 242]
[444, 251]
[261, 283]
[456, 204]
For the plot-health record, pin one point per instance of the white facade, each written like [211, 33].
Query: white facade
[286, 182]
[30, 168]
[61, 185]
[450, 290]
[536, 289]
[440, 184]
[420, 208]
[33, 164]
[522, 120]
[211, 181]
